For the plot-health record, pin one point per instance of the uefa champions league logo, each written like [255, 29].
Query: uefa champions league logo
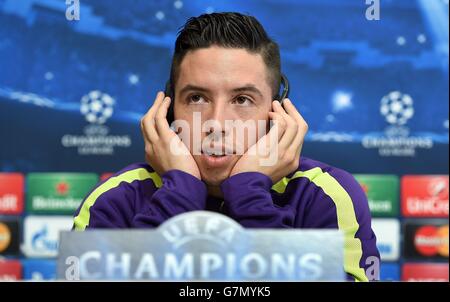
[397, 108]
[97, 107]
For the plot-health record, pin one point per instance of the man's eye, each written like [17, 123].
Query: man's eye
[243, 100]
[196, 99]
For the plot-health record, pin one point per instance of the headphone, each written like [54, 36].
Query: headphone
[170, 93]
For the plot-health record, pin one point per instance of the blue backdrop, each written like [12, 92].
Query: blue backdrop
[375, 93]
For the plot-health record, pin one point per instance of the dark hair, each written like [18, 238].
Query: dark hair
[229, 30]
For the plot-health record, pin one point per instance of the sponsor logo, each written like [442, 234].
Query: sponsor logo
[11, 193]
[10, 270]
[387, 232]
[381, 192]
[425, 196]
[5, 237]
[425, 272]
[105, 176]
[9, 236]
[39, 269]
[58, 193]
[390, 272]
[62, 188]
[41, 234]
[426, 239]
[431, 241]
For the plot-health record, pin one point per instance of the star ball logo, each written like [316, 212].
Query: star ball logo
[397, 109]
[97, 108]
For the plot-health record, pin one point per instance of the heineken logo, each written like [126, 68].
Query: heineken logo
[58, 193]
[382, 193]
[62, 188]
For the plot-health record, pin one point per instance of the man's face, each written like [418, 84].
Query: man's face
[222, 84]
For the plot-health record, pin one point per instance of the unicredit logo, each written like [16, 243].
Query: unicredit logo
[428, 206]
[431, 240]
[8, 203]
[425, 196]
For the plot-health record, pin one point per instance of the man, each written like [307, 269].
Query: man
[225, 68]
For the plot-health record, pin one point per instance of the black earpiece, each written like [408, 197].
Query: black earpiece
[285, 92]
[170, 93]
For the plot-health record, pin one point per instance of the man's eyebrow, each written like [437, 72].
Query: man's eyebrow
[249, 87]
[190, 87]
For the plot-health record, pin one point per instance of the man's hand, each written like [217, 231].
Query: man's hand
[291, 129]
[159, 139]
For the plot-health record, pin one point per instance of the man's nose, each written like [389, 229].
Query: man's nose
[219, 113]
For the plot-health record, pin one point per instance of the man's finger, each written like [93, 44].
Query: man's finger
[149, 151]
[302, 126]
[277, 119]
[272, 138]
[162, 125]
[148, 130]
[158, 100]
[148, 121]
[291, 128]
[293, 112]
[299, 139]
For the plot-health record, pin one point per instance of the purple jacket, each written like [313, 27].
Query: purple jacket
[316, 196]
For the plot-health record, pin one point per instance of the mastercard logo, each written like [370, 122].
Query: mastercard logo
[431, 240]
[5, 237]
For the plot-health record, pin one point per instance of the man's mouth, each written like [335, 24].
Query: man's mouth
[218, 152]
[216, 159]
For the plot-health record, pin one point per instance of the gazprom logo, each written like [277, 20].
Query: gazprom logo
[41, 241]
[385, 248]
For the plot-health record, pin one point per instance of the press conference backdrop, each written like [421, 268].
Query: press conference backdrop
[374, 93]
